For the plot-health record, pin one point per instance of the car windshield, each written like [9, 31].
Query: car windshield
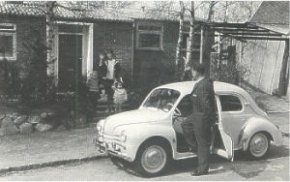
[162, 99]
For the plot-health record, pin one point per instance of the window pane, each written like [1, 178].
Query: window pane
[163, 99]
[230, 103]
[149, 40]
[6, 27]
[70, 29]
[6, 45]
[149, 28]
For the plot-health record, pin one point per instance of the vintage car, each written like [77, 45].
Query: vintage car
[151, 136]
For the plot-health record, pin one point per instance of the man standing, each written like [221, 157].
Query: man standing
[198, 125]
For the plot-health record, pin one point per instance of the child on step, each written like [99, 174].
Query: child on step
[120, 94]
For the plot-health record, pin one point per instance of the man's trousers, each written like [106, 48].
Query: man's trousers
[194, 128]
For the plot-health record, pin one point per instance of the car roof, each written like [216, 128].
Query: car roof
[186, 87]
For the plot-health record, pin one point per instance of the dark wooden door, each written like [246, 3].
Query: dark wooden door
[70, 62]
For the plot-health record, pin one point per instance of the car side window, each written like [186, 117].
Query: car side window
[185, 106]
[230, 103]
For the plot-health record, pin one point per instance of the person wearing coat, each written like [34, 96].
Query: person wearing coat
[112, 71]
[197, 127]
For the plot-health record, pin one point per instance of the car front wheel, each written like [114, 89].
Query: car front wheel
[259, 145]
[152, 159]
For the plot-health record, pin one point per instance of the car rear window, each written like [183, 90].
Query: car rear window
[230, 103]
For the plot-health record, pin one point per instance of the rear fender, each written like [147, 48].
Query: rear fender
[258, 124]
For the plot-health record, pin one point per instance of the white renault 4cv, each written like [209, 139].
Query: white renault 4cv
[151, 136]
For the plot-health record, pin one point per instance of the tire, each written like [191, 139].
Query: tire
[259, 145]
[153, 158]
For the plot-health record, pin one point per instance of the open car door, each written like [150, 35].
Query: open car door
[223, 144]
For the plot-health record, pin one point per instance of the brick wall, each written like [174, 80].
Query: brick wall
[153, 66]
[27, 30]
[118, 37]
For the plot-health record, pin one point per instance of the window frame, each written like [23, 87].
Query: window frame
[10, 32]
[155, 32]
[234, 95]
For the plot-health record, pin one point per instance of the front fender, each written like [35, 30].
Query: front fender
[258, 124]
[138, 134]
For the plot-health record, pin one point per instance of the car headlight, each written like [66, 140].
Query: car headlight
[123, 136]
[99, 128]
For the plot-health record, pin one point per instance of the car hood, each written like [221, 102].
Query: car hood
[138, 116]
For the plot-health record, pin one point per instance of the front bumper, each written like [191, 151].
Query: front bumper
[111, 145]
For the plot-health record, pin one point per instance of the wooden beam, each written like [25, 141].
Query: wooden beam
[259, 38]
[253, 34]
[239, 25]
[240, 29]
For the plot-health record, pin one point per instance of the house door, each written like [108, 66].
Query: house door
[70, 61]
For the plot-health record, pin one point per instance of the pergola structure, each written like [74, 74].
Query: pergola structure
[247, 31]
[243, 32]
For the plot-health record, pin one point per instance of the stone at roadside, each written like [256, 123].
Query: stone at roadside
[2, 116]
[50, 113]
[20, 119]
[60, 128]
[10, 130]
[43, 115]
[14, 115]
[34, 119]
[1, 132]
[43, 127]
[26, 128]
[7, 122]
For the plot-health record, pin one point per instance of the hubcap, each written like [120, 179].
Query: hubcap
[154, 159]
[259, 145]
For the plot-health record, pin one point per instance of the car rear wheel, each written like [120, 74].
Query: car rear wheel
[152, 159]
[259, 145]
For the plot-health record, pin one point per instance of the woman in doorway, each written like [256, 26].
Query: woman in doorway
[113, 71]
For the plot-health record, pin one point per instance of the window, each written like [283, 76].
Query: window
[70, 29]
[8, 41]
[149, 36]
[230, 103]
[162, 99]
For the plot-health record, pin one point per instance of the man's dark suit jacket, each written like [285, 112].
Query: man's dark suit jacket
[204, 104]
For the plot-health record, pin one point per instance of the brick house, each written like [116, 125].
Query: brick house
[145, 45]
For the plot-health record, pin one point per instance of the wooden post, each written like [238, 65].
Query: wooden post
[284, 73]
[201, 45]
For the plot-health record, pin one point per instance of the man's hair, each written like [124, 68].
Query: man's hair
[200, 68]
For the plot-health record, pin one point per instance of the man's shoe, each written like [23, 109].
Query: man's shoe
[198, 173]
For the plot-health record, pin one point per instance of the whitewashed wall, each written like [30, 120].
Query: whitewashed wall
[263, 60]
